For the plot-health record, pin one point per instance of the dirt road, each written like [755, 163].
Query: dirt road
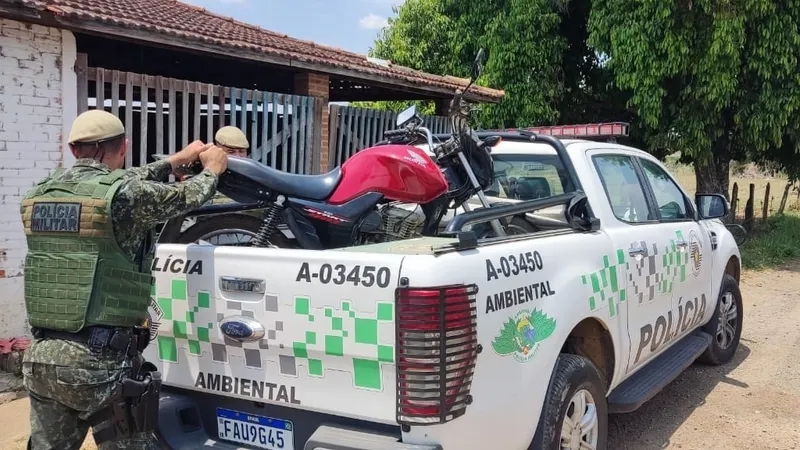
[753, 403]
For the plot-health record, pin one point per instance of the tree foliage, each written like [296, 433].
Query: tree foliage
[521, 39]
[717, 80]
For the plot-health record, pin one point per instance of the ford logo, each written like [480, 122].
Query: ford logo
[242, 328]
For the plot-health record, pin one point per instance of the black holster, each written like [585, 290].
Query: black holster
[134, 407]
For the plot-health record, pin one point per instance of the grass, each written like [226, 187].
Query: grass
[686, 178]
[774, 244]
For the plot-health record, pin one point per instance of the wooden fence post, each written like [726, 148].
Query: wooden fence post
[765, 210]
[82, 71]
[784, 198]
[333, 129]
[734, 201]
[748, 208]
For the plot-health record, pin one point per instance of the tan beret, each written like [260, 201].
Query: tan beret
[95, 125]
[231, 137]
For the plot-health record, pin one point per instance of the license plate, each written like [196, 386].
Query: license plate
[258, 431]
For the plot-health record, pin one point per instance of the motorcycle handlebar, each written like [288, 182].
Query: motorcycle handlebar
[394, 133]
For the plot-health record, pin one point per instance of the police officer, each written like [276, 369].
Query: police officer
[233, 141]
[87, 281]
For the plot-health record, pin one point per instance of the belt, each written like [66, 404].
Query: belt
[98, 338]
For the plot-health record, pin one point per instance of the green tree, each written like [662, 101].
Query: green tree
[521, 39]
[716, 80]
[537, 51]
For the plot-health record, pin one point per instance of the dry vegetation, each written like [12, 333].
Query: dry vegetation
[744, 175]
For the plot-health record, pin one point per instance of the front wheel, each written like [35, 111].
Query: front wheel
[726, 325]
[517, 226]
[575, 413]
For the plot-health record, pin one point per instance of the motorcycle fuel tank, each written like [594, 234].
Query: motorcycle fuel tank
[399, 172]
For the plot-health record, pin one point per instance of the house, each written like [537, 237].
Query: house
[173, 72]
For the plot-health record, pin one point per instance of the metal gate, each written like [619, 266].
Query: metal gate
[162, 115]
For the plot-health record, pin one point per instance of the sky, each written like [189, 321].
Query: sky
[347, 24]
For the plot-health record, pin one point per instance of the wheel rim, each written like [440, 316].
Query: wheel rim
[240, 237]
[728, 321]
[580, 430]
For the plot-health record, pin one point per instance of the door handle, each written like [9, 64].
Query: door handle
[637, 251]
[681, 245]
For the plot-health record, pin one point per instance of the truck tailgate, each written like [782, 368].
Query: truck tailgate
[305, 329]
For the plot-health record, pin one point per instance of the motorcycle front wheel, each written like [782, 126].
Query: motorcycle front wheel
[238, 230]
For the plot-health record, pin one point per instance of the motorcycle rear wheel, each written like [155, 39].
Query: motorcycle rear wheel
[247, 226]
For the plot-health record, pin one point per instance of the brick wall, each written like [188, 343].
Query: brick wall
[32, 115]
[316, 85]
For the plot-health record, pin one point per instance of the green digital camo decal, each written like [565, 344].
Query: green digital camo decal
[186, 330]
[344, 332]
[521, 336]
[607, 288]
[646, 275]
[674, 262]
[326, 333]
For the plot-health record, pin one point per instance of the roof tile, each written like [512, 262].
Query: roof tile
[191, 22]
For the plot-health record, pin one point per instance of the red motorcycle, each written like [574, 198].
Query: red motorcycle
[361, 201]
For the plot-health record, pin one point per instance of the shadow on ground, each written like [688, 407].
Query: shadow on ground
[652, 426]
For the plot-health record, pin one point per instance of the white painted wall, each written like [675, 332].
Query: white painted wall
[38, 102]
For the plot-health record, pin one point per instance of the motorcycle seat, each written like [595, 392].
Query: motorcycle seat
[310, 187]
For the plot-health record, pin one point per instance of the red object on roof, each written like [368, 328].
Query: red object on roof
[590, 130]
[170, 17]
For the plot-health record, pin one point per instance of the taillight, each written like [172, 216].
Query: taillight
[436, 352]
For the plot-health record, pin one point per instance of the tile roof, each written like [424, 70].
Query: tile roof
[191, 23]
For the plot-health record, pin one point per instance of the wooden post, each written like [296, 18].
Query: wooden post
[734, 201]
[82, 70]
[784, 198]
[333, 128]
[765, 211]
[748, 209]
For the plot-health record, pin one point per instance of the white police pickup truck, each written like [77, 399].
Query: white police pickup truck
[523, 341]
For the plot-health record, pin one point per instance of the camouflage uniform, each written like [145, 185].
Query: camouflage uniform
[68, 382]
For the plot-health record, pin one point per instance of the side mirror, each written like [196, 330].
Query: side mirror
[477, 66]
[712, 206]
[406, 116]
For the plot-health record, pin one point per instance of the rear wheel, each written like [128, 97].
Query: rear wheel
[575, 413]
[237, 230]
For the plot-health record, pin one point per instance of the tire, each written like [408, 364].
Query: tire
[519, 225]
[516, 226]
[725, 339]
[239, 223]
[572, 375]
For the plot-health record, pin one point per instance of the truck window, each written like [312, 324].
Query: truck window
[670, 199]
[623, 188]
[527, 177]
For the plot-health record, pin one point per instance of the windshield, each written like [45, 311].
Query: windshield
[528, 177]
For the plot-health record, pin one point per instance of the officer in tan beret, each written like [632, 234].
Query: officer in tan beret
[88, 226]
[233, 141]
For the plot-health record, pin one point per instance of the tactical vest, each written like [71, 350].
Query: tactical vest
[76, 275]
